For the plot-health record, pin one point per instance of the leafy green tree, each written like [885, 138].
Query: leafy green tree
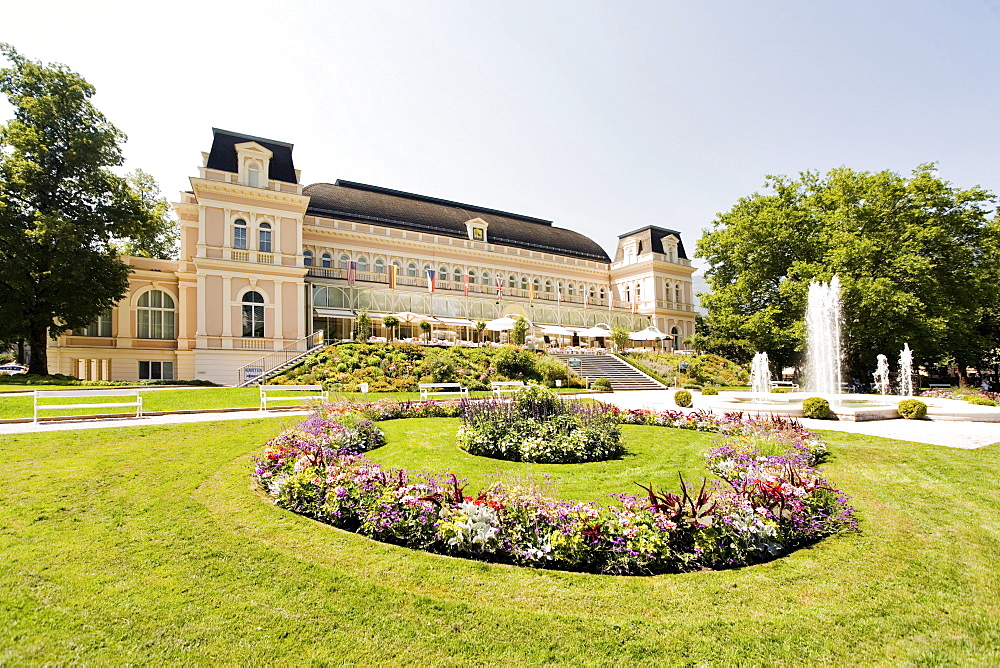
[160, 236]
[391, 322]
[620, 336]
[61, 206]
[520, 331]
[916, 259]
[362, 325]
[480, 328]
[425, 327]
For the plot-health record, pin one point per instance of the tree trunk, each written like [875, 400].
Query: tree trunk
[20, 350]
[39, 340]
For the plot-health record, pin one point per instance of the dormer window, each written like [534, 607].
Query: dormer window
[254, 161]
[253, 176]
[477, 229]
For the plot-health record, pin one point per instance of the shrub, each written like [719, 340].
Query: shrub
[708, 390]
[780, 390]
[912, 409]
[691, 386]
[682, 398]
[980, 400]
[817, 408]
[538, 426]
[601, 385]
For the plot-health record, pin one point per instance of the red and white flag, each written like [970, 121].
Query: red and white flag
[431, 280]
[352, 273]
[499, 287]
[465, 284]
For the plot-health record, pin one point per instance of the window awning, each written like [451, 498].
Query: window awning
[333, 313]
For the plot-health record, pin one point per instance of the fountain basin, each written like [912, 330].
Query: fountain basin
[848, 407]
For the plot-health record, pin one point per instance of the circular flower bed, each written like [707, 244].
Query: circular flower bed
[763, 505]
[537, 426]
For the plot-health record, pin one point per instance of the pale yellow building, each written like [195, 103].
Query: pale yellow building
[266, 262]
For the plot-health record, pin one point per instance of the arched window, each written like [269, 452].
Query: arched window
[345, 262]
[379, 266]
[666, 290]
[628, 293]
[592, 292]
[560, 288]
[512, 281]
[411, 269]
[677, 338]
[240, 234]
[472, 276]
[264, 238]
[155, 315]
[326, 260]
[571, 289]
[638, 291]
[677, 293]
[548, 286]
[486, 278]
[442, 273]
[307, 258]
[524, 282]
[253, 176]
[457, 275]
[536, 285]
[362, 263]
[253, 315]
[602, 293]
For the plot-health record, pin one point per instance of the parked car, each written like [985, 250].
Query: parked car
[12, 369]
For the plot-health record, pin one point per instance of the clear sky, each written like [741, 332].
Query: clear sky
[600, 116]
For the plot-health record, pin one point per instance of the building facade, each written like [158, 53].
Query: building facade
[265, 262]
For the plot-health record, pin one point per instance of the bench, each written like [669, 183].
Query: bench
[316, 391]
[442, 389]
[785, 384]
[72, 394]
[506, 386]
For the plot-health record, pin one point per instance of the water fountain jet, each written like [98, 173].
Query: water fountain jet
[823, 354]
[881, 375]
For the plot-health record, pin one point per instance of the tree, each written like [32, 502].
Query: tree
[520, 331]
[362, 326]
[61, 207]
[620, 336]
[916, 259]
[425, 327]
[480, 328]
[160, 235]
[391, 322]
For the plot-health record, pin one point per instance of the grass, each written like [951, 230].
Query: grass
[183, 399]
[148, 545]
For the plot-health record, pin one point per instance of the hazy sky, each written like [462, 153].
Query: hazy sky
[602, 117]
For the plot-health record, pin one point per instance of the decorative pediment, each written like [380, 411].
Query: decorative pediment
[477, 229]
[253, 148]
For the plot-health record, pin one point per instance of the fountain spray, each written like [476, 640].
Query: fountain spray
[882, 375]
[906, 371]
[760, 376]
[823, 354]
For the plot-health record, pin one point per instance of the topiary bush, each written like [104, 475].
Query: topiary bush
[691, 386]
[708, 390]
[912, 409]
[981, 401]
[817, 408]
[682, 398]
[601, 385]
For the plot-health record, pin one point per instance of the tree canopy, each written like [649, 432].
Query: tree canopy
[61, 206]
[917, 259]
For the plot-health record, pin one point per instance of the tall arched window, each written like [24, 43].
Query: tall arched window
[677, 338]
[362, 263]
[265, 238]
[253, 315]
[571, 289]
[512, 281]
[307, 258]
[638, 292]
[602, 293]
[155, 315]
[240, 234]
[379, 266]
[524, 282]
[411, 269]
[326, 261]
[486, 278]
[677, 293]
[666, 290]
[443, 273]
[457, 275]
[472, 276]
[536, 284]
[548, 286]
[628, 293]
[253, 176]
[345, 262]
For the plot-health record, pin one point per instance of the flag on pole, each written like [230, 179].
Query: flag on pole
[558, 297]
[392, 276]
[352, 273]
[465, 285]
[611, 297]
[586, 301]
[531, 292]
[499, 287]
[431, 280]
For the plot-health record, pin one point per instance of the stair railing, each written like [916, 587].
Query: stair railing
[262, 368]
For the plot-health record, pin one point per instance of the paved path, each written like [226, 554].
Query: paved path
[951, 433]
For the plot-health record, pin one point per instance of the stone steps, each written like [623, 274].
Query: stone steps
[623, 376]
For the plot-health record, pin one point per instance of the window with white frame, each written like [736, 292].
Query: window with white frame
[264, 238]
[156, 370]
[379, 266]
[345, 262]
[240, 234]
[253, 315]
[155, 315]
[472, 276]
[362, 263]
[512, 281]
[100, 327]
[677, 293]
[524, 282]
[253, 176]
[457, 275]
[326, 261]
[411, 269]
[443, 273]
[307, 258]
[486, 278]
[548, 286]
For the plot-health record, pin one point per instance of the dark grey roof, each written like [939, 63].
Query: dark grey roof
[346, 200]
[223, 154]
[651, 237]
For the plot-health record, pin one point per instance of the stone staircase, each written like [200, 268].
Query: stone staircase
[623, 376]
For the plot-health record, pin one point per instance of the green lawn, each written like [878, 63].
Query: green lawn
[148, 545]
[186, 399]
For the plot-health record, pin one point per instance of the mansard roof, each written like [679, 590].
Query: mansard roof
[223, 154]
[652, 238]
[346, 200]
